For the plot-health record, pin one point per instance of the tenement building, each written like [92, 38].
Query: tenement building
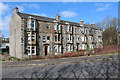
[32, 35]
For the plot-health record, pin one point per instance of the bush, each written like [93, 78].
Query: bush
[14, 58]
[5, 53]
[73, 51]
[107, 49]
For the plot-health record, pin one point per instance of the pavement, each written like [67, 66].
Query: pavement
[79, 67]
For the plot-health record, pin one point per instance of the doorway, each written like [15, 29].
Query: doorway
[46, 50]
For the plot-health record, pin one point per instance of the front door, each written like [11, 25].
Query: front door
[46, 50]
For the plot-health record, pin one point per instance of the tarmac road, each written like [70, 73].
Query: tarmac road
[85, 67]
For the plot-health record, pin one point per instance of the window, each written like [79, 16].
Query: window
[28, 50]
[58, 27]
[28, 38]
[83, 47]
[55, 27]
[28, 34]
[67, 28]
[78, 38]
[48, 26]
[55, 38]
[90, 46]
[58, 37]
[82, 38]
[48, 37]
[28, 23]
[33, 47]
[70, 28]
[80, 47]
[59, 49]
[33, 37]
[55, 48]
[43, 38]
[32, 24]
[90, 38]
[71, 48]
[70, 37]
[82, 30]
[33, 50]
[75, 29]
[78, 30]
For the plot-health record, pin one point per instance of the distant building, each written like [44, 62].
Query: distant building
[32, 35]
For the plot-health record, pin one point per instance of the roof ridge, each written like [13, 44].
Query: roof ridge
[36, 15]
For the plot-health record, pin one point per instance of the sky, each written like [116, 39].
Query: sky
[90, 12]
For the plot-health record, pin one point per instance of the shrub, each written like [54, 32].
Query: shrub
[14, 58]
[5, 53]
[107, 49]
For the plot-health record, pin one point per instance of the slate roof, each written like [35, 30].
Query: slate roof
[24, 15]
[41, 18]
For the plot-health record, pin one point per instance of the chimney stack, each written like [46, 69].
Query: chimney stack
[81, 22]
[58, 17]
[15, 10]
[93, 24]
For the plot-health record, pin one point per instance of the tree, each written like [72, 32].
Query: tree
[109, 26]
[110, 36]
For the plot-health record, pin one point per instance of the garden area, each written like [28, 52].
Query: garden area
[106, 50]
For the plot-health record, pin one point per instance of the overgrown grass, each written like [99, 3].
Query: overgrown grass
[110, 53]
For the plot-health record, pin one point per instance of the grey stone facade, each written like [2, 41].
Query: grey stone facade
[32, 35]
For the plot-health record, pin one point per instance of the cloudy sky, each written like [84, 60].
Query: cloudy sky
[90, 12]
